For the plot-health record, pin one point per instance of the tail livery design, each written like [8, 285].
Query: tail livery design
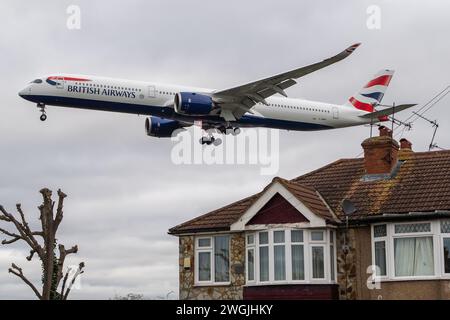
[373, 92]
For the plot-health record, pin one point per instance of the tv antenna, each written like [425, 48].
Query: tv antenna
[435, 125]
[394, 121]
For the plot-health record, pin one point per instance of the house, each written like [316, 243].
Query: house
[376, 227]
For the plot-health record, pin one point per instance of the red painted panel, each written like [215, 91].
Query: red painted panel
[277, 210]
[292, 292]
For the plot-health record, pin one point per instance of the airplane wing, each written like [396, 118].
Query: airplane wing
[387, 111]
[235, 102]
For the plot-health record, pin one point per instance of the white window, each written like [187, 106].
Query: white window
[212, 259]
[297, 255]
[279, 255]
[263, 256]
[290, 256]
[250, 258]
[412, 250]
[332, 254]
[445, 232]
[379, 234]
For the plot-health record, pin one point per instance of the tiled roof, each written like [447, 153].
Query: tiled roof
[422, 184]
[310, 197]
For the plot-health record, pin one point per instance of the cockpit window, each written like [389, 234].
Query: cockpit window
[37, 81]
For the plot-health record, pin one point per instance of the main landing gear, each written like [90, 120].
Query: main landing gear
[210, 139]
[43, 116]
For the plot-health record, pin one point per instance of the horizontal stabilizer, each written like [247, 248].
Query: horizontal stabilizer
[387, 112]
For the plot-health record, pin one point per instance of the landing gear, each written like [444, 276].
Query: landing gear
[208, 140]
[226, 129]
[43, 116]
[234, 131]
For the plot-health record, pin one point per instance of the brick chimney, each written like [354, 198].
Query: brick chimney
[380, 153]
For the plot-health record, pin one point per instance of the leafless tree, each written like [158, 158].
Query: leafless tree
[43, 244]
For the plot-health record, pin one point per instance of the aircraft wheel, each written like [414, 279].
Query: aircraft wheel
[43, 117]
[236, 131]
[217, 142]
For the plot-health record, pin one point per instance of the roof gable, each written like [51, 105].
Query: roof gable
[313, 214]
[276, 211]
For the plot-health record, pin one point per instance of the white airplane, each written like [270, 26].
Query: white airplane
[255, 104]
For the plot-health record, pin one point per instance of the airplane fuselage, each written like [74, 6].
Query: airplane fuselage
[154, 99]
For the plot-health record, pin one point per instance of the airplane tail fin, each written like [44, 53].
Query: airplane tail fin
[372, 93]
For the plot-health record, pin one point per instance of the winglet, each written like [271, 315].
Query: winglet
[353, 47]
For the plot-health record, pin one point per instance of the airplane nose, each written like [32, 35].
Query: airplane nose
[24, 92]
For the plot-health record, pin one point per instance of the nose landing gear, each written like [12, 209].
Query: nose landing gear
[41, 107]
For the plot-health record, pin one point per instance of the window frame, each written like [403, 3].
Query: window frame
[386, 248]
[438, 252]
[443, 235]
[248, 247]
[307, 256]
[211, 250]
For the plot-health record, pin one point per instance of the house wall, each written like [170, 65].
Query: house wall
[188, 290]
[354, 256]
[353, 276]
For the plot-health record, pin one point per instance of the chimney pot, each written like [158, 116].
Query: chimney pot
[405, 144]
[385, 131]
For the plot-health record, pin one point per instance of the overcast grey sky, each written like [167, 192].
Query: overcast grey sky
[124, 192]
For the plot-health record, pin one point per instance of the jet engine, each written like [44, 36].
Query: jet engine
[161, 128]
[191, 103]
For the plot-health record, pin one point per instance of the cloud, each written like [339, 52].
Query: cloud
[124, 192]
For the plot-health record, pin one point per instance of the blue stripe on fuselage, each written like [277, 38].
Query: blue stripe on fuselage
[169, 113]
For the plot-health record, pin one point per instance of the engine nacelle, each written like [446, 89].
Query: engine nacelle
[191, 103]
[161, 128]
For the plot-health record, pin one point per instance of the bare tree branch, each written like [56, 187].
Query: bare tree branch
[10, 234]
[32, 252]
[77, 273]
[59, 210]
[18, 272]
[62, 256]
[52, 266]
[29, 238]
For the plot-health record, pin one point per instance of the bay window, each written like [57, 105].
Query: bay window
[290, 256]
[412, 250]
[212, 259]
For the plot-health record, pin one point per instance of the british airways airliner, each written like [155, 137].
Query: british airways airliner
[262, 103]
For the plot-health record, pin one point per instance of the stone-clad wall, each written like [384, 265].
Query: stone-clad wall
[188, 291]
[346, 264]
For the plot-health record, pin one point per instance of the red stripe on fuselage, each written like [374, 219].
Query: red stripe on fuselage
[361, 105]
[68, 78]
[381, 80]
